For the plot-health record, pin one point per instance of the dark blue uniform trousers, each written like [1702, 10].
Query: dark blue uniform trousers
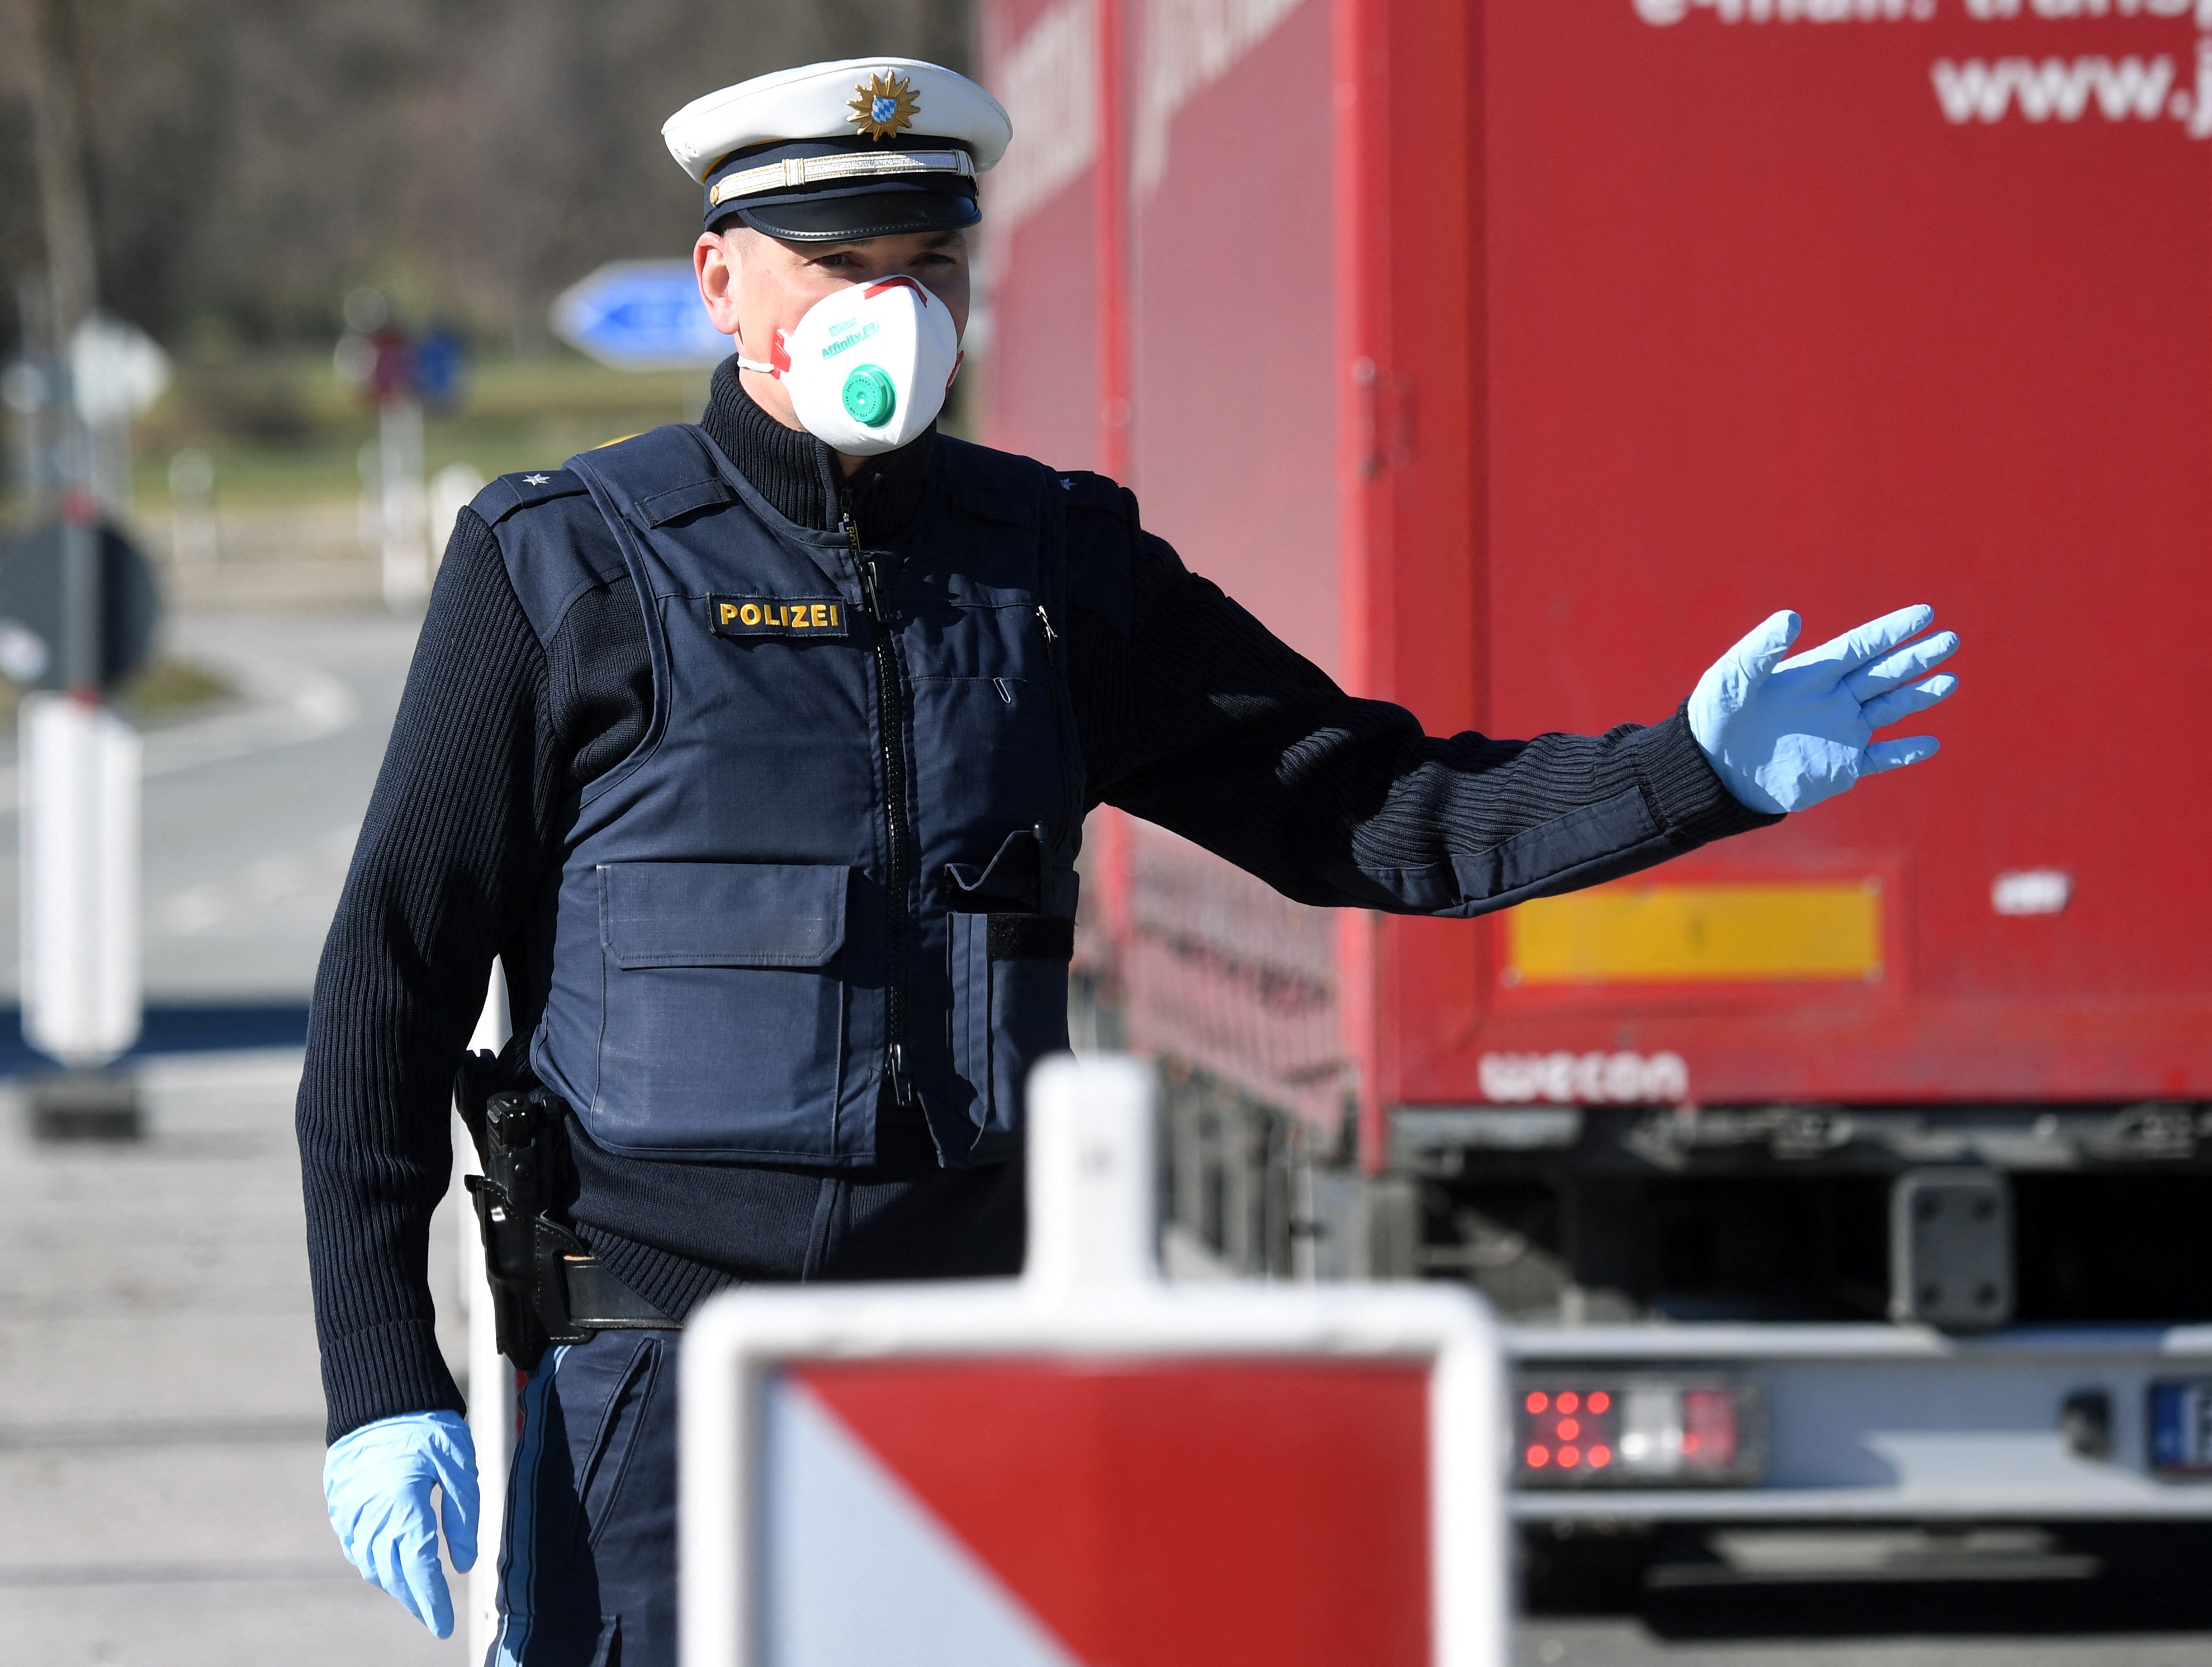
[587, 1562]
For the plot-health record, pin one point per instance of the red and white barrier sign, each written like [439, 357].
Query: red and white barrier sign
[1086, 1466]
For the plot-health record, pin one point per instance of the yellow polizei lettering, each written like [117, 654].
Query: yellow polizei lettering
[796, 615]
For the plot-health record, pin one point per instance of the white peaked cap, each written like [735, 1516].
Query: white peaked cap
[815, 101]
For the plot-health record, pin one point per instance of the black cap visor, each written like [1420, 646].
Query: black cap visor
[825, 217]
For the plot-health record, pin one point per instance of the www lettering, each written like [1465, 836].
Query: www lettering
[2068, 89]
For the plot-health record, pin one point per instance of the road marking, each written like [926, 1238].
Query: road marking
[292, 705]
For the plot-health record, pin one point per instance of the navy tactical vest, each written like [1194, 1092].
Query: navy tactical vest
[840, 864]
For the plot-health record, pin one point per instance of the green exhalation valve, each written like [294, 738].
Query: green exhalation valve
[870, 397]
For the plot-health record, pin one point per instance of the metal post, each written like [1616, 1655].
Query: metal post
[66, 218]
[67, 222]
[35, 392]
[80, 594]
[81, 764]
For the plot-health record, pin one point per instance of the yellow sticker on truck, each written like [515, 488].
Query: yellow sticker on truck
[1765, 931]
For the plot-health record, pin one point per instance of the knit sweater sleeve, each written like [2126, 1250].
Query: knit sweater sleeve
[449, 855]
[1193, 715]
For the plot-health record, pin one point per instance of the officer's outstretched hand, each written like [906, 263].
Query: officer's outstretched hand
[377, 1482]
[1785, 734]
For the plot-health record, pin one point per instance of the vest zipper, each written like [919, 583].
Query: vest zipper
[896, 830]
[1069, 807]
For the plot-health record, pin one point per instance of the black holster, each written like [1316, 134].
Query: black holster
[520, 1131]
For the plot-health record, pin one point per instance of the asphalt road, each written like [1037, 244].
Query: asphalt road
[252, 809]
[159, 1412]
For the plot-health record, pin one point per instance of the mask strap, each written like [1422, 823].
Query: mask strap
[779, 359]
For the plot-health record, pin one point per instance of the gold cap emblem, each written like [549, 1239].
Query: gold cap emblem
[886, 106]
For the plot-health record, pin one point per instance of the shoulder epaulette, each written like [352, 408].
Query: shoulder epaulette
[1085, 490]
[512, 492]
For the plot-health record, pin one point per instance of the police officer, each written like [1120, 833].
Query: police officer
[759, 751]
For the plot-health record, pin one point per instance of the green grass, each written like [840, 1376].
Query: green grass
[162, 691]
[283, 431]
[170, 689]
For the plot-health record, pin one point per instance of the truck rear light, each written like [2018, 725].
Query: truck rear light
[1577, 1431]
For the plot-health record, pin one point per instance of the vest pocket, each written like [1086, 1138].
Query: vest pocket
[1009, 1010]
[725, 1012]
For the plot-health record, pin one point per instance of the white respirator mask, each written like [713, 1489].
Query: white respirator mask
[868, 367]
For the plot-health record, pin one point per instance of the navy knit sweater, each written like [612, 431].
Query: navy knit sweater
[1189, 713]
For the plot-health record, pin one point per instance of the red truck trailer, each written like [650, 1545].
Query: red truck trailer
[1511, 359]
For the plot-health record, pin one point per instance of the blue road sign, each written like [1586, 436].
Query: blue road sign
[639, 315]
[442, 360]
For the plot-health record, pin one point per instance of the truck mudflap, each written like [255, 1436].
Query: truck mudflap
[1866, 1423]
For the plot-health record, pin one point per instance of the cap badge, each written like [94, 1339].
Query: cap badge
[885, 107]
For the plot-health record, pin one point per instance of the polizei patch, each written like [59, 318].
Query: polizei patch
[777, 616]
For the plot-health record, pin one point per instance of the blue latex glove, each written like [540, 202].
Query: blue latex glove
[1785, 734]
[377, 1482]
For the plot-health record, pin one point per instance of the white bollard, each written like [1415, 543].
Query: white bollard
[193, 540]
[403, 508]
[491, 1379]
[80, 881]
[1093, 1178]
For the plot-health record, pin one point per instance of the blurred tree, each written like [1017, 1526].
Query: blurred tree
[250, 161]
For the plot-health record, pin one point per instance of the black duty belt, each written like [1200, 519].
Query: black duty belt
[597, 1301]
